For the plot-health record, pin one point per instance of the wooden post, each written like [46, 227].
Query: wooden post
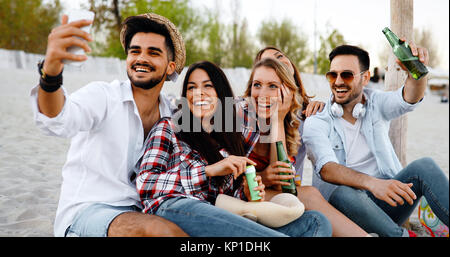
[402, 26]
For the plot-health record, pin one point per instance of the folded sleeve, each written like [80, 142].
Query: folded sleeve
[392, 104]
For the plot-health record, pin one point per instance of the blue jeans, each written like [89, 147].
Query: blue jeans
[201, 219]
[377, 216]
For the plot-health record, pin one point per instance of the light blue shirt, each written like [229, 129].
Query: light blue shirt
[301, 154]
[324, 137]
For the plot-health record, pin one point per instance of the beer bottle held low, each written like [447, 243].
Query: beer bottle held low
[282, 157]
[403, 52]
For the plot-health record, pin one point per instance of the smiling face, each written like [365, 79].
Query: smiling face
[277, 55]
[201, 94]
[147, 60]
[265, 91]
[348, 93]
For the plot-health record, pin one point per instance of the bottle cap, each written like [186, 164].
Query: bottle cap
[250, 169]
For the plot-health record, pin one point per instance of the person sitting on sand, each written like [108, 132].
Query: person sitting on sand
[355, 166]
[184, 170]
[108, 124]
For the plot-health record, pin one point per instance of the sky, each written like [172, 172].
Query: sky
[360, 21]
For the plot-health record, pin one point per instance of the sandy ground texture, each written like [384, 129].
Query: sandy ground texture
[30, 163]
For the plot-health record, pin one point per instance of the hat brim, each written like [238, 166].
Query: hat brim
[175, 35]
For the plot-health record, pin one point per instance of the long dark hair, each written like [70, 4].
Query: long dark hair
[209, 144]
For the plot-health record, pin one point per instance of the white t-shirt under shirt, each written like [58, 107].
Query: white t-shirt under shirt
[358, 155]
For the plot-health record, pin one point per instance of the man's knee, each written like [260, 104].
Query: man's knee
[310, 195]
[424, 164]
[343, 196]
[137, 224]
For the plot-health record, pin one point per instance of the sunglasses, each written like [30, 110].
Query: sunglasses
[346, 76]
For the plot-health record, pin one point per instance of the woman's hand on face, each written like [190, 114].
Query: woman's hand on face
[235, 165]
[271, 177]
[313, 107]
[284, 102]
[259, 188]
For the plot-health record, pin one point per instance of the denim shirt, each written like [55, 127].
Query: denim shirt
[324, 136]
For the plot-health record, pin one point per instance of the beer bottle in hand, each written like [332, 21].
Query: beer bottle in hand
[282, 157]
[403, 52]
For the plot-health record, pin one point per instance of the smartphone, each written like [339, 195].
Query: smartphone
[75, 15]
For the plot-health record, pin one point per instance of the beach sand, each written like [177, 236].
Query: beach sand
[31, 163]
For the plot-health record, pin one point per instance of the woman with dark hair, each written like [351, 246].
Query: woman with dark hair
[183, 172]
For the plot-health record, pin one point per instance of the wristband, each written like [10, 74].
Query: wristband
[48, 87]
[49, 83]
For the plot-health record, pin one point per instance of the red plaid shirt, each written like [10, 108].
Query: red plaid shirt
[170, 168]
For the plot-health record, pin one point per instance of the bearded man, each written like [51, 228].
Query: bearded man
[108, 124]
[355, 166]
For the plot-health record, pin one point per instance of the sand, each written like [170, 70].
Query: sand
[30, 163]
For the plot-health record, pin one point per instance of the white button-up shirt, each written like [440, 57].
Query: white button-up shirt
[107, 143]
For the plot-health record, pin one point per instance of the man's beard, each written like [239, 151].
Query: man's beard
[148, 84]
[353, 95]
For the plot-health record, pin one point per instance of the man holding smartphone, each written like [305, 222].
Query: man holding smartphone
[108, 123]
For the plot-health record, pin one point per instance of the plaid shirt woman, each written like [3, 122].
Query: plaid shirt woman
[170, 168]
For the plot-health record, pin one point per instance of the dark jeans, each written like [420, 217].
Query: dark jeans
[377, 216]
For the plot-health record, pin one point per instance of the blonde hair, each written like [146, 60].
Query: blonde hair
[291, 121]
[297, 78]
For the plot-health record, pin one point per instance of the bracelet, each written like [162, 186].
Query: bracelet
[48, 87]
[49, 83]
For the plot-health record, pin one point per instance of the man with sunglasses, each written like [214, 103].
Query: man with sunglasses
[355, 166]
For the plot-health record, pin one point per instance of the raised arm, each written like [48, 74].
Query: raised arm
[51, 101]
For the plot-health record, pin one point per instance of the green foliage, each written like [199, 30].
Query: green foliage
[178, 11]
[327, 44]
[214, 31]
[242, 47]
[288, 38]
[25, 25]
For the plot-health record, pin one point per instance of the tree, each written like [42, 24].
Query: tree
[110, 13]
[289, 38]
[241, 48]
[327, 44]
[25, 25]
[214, 39]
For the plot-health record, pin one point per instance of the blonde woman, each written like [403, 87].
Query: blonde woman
[274, 95]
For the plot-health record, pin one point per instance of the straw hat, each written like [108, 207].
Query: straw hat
[177, 39]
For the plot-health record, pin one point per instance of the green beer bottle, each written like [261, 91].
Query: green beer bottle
[403, 52]
[282, 157]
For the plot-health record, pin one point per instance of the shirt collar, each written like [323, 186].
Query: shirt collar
[127, 92]
[166, 108]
